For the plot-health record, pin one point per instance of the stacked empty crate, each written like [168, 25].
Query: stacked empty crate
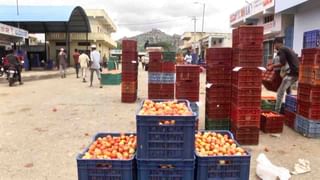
[308, 108]
[161, 75]
[290, 110]
[246, 83]
[218, 92]
[165, 151]
[129, 84]
[187, 86]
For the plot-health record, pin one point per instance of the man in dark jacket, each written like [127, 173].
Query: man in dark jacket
[286, 55]
[14, 62]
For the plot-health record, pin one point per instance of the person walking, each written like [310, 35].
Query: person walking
[286, 55]
[188, 58]
[62, 62]
[75, 56]
[84, 61]
[95, 59]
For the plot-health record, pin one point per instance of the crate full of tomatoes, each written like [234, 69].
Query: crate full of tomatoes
[219, 156]
[109, 156]
[272, 122]
[165, 129]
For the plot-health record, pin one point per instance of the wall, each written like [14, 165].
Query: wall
[306, 19]
[282, 5]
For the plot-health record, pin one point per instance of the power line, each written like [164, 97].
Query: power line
[150, 23]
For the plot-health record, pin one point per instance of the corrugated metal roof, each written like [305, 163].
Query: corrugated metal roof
[38, 19]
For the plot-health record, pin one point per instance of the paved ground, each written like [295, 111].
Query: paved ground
[38, 143]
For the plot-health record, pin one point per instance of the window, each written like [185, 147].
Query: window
[84, 44]
[268, 19]
[220, 41]
[60, 43]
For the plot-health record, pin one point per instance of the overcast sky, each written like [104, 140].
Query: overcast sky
[133, 17]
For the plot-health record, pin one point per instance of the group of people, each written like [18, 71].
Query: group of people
[82, 62]
[11, 61]
[192, 58]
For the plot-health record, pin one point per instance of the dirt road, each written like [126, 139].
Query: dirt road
[45, 124]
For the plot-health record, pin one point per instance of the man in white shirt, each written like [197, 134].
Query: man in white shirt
[188, 58]
[84, 61]
[95, 59]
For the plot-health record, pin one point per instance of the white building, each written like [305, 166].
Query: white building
[305, 17]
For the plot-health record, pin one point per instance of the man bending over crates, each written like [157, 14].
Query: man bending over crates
[286, 55]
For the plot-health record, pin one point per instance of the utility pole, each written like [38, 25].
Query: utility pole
[194, 18]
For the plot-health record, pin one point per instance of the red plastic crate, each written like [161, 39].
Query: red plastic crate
[185, 68]
[219, 56]
[129, 87]
[155, 67]
[155, 56]
[161, 96]
[246, 97]
[128, 97]
[309, 93]
[187, 76]
[247, 57]
[188, 96]
[290, 118]
[246, 135]
[168, 67]
[272, 123]
[308, 110]
[188, 84]
[248, 36]
[218, 110]
[310, 56]
[128, 57]
[245, 117]
[218, 99]
[129, 76]
[247, 77]
[129, 67]
[129, 45]
[219, 91]
[218, 70]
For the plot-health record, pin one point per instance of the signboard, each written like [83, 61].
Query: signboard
[253, 8]
[13, 31]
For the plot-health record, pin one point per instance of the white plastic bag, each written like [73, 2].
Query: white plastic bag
[267, 171]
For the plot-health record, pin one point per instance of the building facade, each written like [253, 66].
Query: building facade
[304, 15]
[101, 28]
[10, 36]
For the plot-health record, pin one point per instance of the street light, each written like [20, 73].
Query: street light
[203, 11]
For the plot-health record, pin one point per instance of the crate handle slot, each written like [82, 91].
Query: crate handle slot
[104, 165]
[167, 123]
[166, 166]
[225, 162]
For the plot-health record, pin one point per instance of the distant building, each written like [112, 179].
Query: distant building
[101, 28]
[190, 38]
[10, 35]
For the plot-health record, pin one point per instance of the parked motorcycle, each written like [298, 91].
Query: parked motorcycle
[12, 75]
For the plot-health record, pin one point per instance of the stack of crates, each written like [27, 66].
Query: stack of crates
[188, 85]
[188, 82]
[246, 83]
[129, 84]
[290, 109]
[161, 75]
[165, 151]
[218, 91]
[308, 107]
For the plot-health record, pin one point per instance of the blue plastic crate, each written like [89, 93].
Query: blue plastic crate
[166, 169]
[307, 127]
[161, 78]
[311, 39]
[291, 103]
[157, 141]
[223, 167]
[195, 108]
[104, 169]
